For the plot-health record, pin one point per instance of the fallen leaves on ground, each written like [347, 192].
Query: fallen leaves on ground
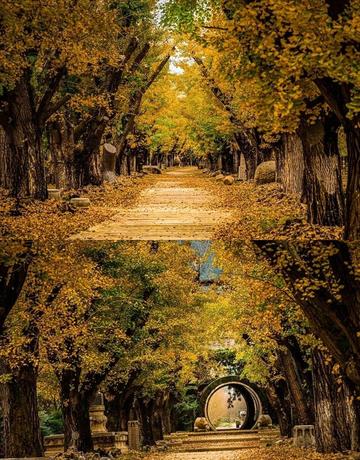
[274, 453]
[52, 219]
[266, 212]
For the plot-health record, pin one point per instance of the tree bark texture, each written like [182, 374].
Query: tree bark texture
[75, 409]
[337, 426]
[338, 96]
[20, 414]
[4, 160]
[296, 388]
[290, 164]
[323, 184]
[278, 395]
[26, 165]
[61, 140]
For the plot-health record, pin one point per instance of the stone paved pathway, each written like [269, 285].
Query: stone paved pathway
[177, 206]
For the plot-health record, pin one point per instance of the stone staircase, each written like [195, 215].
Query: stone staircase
[224, 440]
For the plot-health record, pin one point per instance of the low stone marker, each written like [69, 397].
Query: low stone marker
[304, 435]
[54, 194]
[151, 169]
[219, 177]
[201, 424]
[80, 202]
[265, 172]
[229, 180]
[264, 421]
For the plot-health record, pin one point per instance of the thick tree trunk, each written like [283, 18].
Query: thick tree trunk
[337, 418]
[290, 164]
[87, 168]
[4, 160]
[26, 166]
[278, 395]
[61, 140]
[21, 424]
[296, 388]
[146, 413]
[352, 214]
[329, 270]
[75, 409]
[12, 275]
[250, 155]
[87, 158]
[118, 411]
[338, 96]
[323, 184]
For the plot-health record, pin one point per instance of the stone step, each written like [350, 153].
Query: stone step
[217, 447]
[218, 439]
[221, 433]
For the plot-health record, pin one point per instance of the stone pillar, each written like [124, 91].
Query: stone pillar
[134, 435]
[242, 168]
[108, 162]
[97, 415]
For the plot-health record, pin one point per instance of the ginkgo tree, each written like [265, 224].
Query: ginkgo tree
[282, 315]
[117, 306]
[184, 116]
[297, 61]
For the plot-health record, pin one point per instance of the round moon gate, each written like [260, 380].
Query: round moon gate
[237, 391]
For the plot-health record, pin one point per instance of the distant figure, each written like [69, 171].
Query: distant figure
[241, 420]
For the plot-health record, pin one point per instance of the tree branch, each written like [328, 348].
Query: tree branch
[43, 107]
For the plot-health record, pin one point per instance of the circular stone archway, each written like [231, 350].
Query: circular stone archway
[248, 395]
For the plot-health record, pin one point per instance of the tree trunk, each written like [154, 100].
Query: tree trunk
[21, 424]
[26, 166]
[296, 388]
[117, 412]
[87, 158]
[4, 160]
[290, 164]
[157, 418]
[337, 419]
[329, 269]
[338, 96]
[145, 413]
[61, 140]
[323, 184]
[75, 409]
[249, 153]
[278, 395]
[352, 214]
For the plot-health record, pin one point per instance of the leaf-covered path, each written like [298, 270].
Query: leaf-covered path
[177, 205]
[226, 455]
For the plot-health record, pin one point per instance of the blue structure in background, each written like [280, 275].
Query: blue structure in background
[208, 271]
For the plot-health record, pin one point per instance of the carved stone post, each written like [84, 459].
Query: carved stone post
[134, 439]
[108, 161]
[242, 168]
[304, 435]
[97, 415]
